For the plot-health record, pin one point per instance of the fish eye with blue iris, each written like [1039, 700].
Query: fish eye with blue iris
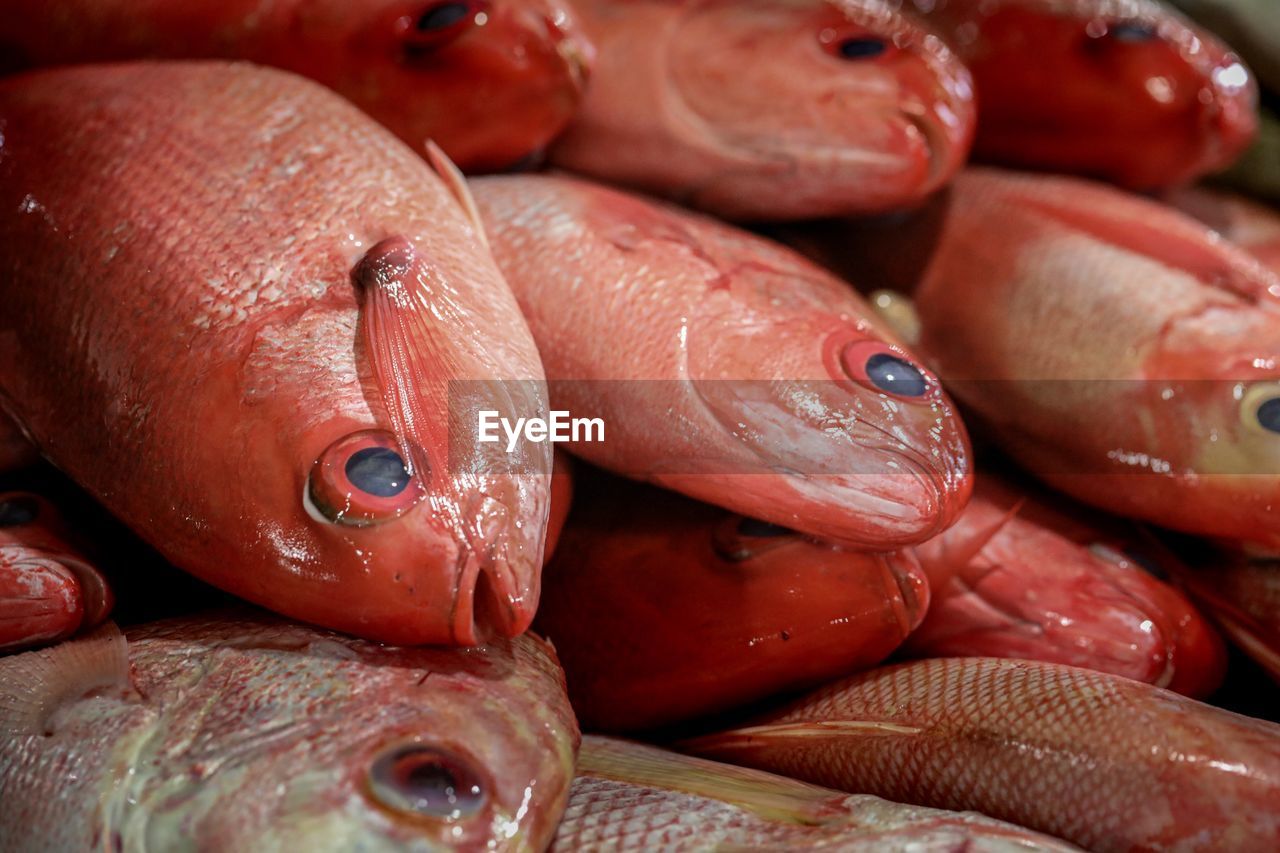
[896, 375]
[861, 47]
[419, 780]
[1131, 32]
[1268, 415]
[17, 511]
[360, 480]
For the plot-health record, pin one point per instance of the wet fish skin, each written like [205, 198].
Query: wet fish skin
[1128, 91]
[769, 109]
[628, 796]
[200, 364]
[239, 730]
[48, 588]
[1101, 761]
[1024, 574]
[723, 365]
[665, 609]
[490, 81]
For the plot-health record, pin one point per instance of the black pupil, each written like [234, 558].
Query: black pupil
[892, 374]
[861, 48]
[757, 528]
[442, 16]
[1131, 33]
[427, 781]
[1269, 414]
[16, 512]
[378, 471]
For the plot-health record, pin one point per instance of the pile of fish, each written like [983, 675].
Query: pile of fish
[927, 491]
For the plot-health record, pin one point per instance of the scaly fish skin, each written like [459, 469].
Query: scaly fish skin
[628, 796]
[724, 366]
[769, 109]
[1045, 581]
[184, 336]
[1125, 90]
[240, 731]
[490, 81]
[48, 589]
[1102, 761]
[665, 609]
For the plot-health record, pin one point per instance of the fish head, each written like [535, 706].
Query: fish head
[361, 528]
[284, 737]
[857, 101]
[862, 427]
[490, 81]
[1118, 70]
[46, 582]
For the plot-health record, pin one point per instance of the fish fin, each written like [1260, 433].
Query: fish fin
[749, 737]
[961, 547]
[766, 794]
[898, 311]
[33, 684]
[456, 182]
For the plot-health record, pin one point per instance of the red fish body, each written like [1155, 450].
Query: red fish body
[1243, 597]
[1045, 584]
[490, 81]
[15, 450]
[664, 609]
[769, 109]
[1119, 350]
[628, 796]
[1102, 761]
[1125, 90]
[1251, 225]
[724, 366]
[48, 589]
[200, 267]
[237, 731]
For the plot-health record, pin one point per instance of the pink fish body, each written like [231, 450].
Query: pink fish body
[48, 589]
[1125, 90]
[490, 81]
[238, 731]
[201, 266]
[1251, 225]
[1102, 761]
[1043, 583]
[725, 366]
[631, 796]
[769, 109]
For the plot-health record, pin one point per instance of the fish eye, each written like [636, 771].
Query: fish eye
[426, 781]
[1131, 32]
[739, 538]
[1260, 407]
[17, 510]
[852, 46]
[362, 479]
[878, 366]
[440, 23]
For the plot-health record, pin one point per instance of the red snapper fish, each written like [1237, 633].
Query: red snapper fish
[1125, 90]
[664, 609]
[1102, 761]
[49, 590]
[769, 109]
[631, 796]
[1121, 351]
[490, 81]
[1251, 225]
[241, 732]
[725, 366]
[236, 311]
[1019, 576]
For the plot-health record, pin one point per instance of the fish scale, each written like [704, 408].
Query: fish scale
[1105, 762]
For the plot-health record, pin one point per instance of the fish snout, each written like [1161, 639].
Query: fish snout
[46, 596]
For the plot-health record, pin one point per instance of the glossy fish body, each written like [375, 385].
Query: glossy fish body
[665, 609]
[15, 450]
[490, 81]
[1022, 576]
[1124, 90]
[1102, 761]
[1243, 597]
[1251, 225]
[1119, 350]
[48, 589]
[239, 731]
[195, 267]
[769, 109]
[628, 796]
[725, 366]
